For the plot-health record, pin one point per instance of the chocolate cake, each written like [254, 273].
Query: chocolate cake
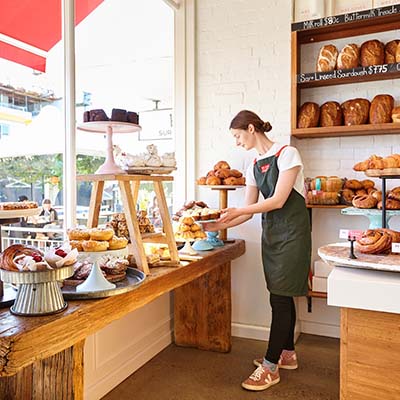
[118, 114]
[133, 117]
[98, 115]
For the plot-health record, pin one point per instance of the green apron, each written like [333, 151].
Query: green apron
[286, 235]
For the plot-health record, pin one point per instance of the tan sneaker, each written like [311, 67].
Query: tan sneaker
[287, 360]
[262, 378]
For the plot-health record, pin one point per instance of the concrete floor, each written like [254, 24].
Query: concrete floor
[179, 373]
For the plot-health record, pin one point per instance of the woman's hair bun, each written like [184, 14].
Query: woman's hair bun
[267, 126]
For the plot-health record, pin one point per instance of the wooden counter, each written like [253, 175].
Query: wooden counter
[42, 357]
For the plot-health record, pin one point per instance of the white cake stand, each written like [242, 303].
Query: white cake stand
[109, 128]
[96, 280]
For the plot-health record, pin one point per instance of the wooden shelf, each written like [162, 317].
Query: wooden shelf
[319, 295]
[342, 131]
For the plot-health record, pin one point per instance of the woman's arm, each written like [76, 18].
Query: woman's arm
[251, 197]
[284, 186]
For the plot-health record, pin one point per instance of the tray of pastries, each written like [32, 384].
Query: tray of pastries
[376, 166]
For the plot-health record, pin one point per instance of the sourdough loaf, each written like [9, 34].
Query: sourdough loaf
[381, 108]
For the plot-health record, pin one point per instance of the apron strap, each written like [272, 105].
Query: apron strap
[280, 150]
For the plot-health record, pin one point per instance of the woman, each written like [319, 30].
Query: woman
[286, 239]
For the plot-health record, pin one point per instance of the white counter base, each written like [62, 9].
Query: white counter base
[364, 289]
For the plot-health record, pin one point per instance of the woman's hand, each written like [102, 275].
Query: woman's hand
[212, 226]
[228, 214]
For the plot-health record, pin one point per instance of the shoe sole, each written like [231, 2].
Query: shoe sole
[257, 364]
[259, 388]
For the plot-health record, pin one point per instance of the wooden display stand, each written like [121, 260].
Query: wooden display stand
[129, 186]
[223, 201]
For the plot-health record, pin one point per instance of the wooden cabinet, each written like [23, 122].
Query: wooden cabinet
[328, 30]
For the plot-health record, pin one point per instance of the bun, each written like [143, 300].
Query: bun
[331, 114]
[117, 243]
[308, 115]
[327, 58]
[349, 57]
[355, 111]
[390, 51]
[374, 241]
[94, 245]
[221, 165]
[372, 53]
[231, 181]
[390, 204]
[367, 183]
[213, 180]
[267, 126]
[102, 234]
[381, 108]
[223, 173]
[236, 173]
[353, 184]
[78, 234]
[396, 114]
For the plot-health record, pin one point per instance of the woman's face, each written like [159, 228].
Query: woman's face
[244, 137]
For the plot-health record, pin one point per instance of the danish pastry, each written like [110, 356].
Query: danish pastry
[117, 243]
[10, 253]
[102, 234]
[78, 234]
[374, 241]
[94, 245]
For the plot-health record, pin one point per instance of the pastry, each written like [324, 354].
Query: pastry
[241, 181]
[327, 198]
[18, 205]
[78, 234]
[187, 221]
[61, 256]
[223, 173]
[372, 53]
[76, 244]
[355, 111]
[361, 166]
[396, 114]
[331, 114]
[168, 160]
[349, 57]
[236, 174]
[94, 245]
[377, 194]
[327, 58]
[231, 181]
[397, 55]
[390, 51]
[360, 192]
[353, 184]
[221, 165]
[308, 116]
[390, 162]
[132, 117]
[119, 115]
[211, 173]
[394, 194]
[364, 201]
[213, 180]
[98, 115]
[101, 234]
[347, 196]
[380, 111]
[390, 204]
[374, 241]
[367, 183]
[86, 116]
[10, 253]
[202, 180]
[116, 243]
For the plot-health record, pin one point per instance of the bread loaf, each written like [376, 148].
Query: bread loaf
[372, 53]
[349, 57]
[355, 111]
[390, 51]
[381, 108]
[308, 115]
[331, 114]
[327, 198]
[327, 58]
[396, 114]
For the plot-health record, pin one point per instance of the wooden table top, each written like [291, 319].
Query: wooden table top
[24, 340]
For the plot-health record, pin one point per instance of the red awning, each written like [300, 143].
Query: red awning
[35, 23]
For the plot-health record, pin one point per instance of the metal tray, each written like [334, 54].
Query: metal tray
[133, 279]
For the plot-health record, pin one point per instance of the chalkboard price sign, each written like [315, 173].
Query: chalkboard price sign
[348, 73]
[345, 18]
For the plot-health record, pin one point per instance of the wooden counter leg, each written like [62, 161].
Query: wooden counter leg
[56, 377]
[202, 311]
[95, 204]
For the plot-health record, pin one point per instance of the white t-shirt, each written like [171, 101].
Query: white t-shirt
[289, 158]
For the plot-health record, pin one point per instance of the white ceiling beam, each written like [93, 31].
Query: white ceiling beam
[172, 3]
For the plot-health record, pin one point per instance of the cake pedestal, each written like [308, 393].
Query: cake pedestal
[109, 128]
[223, 200]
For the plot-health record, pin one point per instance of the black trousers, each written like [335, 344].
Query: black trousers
[281, 335]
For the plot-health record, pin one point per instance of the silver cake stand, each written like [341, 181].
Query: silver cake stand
[38, 292]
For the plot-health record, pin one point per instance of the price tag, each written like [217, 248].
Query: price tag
[347, 233]
[395, 247]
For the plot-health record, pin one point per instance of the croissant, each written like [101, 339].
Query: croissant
[361, 166]
[374, 241]
[15, 250]
[390, 162]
